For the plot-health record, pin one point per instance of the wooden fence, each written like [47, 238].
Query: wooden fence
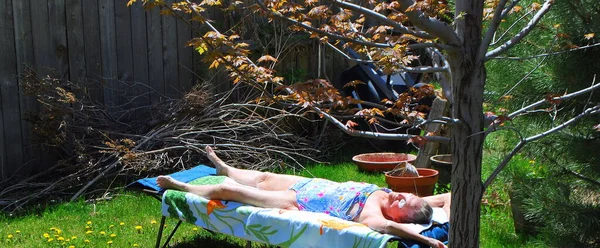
[114, 51]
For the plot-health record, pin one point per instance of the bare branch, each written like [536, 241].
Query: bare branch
[509, 8]
[384, 19]
[494, 24]
[498, 39]
[430, 25]
[321, 32]
[523, 33]
[377, 135]
[548, 54]
[559, 98]
[523, 142]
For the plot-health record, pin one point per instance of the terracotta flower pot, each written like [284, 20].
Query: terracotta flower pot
[381, 161]
[443, 164]
[421, 186]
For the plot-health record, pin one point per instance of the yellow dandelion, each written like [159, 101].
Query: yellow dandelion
[532, 161]
[111, 226]
[60, 239]
[195, 229]
[67, 240]
[153, 222]
[10, 236]
[87, 241]
[122, 224]
[46, 235]
[50, 239]
[74, 237]
[71, 246]
[89, 232]
[135, 245]
[138, 228]
[17, 231]
[88, 227]
[109, 242]
[58, 231]
[52, 228]
[103, 233]
[89, 222]
[112, 235]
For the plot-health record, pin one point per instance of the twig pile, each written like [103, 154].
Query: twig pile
[97, 145]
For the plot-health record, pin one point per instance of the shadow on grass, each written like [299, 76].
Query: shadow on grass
[215, 242]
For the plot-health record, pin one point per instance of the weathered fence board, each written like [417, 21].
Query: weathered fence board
[123, 57]
[108, 48]
[155, 61]
[93, 59]
[139, 41]
[8, 70]
[76, 45]
[171, 79]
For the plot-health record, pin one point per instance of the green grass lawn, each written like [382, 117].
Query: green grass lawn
[132, 219]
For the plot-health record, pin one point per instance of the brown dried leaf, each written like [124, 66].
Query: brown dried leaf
[351, 125]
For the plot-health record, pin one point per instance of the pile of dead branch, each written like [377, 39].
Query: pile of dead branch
[96, 144]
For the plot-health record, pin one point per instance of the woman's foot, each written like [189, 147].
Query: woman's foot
[167, 182]
[221, 166]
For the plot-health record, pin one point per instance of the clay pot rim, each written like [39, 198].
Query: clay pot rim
[418, 169]
[409, 157]
[434, 158]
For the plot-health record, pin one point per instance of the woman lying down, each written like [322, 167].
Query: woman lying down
[378, 208]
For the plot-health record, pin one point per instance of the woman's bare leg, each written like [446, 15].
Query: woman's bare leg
[234, 192]
[252, 178]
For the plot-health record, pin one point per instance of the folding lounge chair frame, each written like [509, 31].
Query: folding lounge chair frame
[159, 194]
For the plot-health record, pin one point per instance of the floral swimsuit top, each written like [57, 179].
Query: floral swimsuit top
[333, 198]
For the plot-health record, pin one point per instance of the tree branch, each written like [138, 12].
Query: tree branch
[548, 54]
[432, 26]
[523, 33]
[380, 136]
[523, 142]
[494, 24]
[321, 32]
[498, 39]
[559, 98]
[384, 19]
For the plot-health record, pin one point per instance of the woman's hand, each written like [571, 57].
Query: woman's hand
[435, 243]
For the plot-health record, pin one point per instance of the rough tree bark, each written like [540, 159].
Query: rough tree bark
[468, 80]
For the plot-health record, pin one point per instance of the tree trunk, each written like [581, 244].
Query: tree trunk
[468, 80]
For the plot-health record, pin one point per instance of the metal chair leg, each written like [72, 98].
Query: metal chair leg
[172, 233]
[160, 230]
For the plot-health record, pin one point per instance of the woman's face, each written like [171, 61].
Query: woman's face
[402, 205]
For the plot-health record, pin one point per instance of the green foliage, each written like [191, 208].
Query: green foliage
[544, 173]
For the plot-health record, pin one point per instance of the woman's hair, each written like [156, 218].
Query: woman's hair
[421, 215]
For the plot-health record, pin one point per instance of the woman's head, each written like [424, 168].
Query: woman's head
[408, 208]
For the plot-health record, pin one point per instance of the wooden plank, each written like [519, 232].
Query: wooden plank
[139, 39]
[11, 155]
[171, 77]
[438, 109]
[75, 41]
[93, 59]
[59, 59]
[108, 50]
[41, 38]
[124, 58]
[184, 55]
[58, 26]
[155, 57]
[32, 153]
